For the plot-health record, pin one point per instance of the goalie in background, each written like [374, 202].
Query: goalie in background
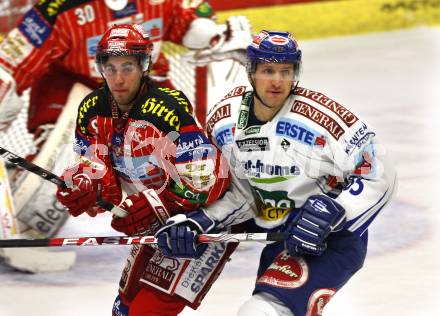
[51, 49]
[301, 163]
[141, 139]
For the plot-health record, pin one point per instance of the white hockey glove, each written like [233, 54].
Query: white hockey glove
[10, 103]
[228, 42]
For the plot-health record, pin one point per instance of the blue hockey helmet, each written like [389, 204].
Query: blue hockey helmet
[274, 47]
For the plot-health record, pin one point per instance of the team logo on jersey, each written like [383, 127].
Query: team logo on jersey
[285, 272]
[34, 28]
[253, 144]
[83, 109]
[225, 135]
[252, 130]
[196, 276]
[156, 108]
[299, 132]
[15, 47]
[243, 114]
[318, 117]
[361, 137]
[221, 113]
[285, 144]
[273, 205]
[193, 146]
[179, 97]
[161, 271]
[261, 172]
[345, 115]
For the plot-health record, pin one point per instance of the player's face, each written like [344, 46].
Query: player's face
[273, 83]
[123, 76]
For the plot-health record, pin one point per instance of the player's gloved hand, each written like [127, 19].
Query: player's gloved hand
[147, 212]
[229, 43]
[178, 238]
[83, 185]
[318, 217]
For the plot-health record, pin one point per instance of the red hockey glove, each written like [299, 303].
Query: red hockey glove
[147, 212]
[83, 181]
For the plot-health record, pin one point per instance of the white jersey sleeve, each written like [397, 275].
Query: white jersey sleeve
[236, 206]
[359, 161]
[371, 177]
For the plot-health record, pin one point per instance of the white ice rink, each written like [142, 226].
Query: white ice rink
[392, 80]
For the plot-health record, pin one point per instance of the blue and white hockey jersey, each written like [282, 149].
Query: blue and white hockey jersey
[313, 145]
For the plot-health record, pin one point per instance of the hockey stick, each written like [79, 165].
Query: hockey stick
[25, 259]
[47, 175]
[136, 240]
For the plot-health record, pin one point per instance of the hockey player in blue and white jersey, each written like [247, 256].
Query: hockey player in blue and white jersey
[301, 163]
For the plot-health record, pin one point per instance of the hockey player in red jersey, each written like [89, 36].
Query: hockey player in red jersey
[135, 137]
[54, 46]
[56, 43]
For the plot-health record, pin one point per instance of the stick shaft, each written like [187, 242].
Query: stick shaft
[135, 240]
[31, 167]
[47, 175]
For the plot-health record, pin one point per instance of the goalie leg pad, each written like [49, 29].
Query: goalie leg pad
[25, 259]
[39, 213]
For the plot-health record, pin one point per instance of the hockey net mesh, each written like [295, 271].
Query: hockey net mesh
[186, 77]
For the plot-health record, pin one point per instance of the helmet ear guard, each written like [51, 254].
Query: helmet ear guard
[125, 40]
[274, 47]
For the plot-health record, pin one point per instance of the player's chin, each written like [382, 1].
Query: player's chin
[121, 100]
[275, 103]
[275, 99]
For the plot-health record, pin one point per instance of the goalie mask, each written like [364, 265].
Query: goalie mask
[274, 47]
[125, 40]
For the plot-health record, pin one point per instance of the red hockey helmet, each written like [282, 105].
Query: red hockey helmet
[125, 40]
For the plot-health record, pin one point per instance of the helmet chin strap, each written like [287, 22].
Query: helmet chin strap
[116, 5]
